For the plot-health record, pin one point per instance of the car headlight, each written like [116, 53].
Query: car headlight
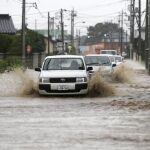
[81, 79]
[44, 80]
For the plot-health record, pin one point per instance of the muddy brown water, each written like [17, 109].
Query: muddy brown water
[30, 122]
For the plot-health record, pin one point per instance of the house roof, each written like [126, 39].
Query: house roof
[6, 24]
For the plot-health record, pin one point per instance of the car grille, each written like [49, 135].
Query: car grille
[62, 80]
[78, 87]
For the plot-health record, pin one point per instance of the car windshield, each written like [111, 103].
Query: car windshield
[112, 58]
[118, 59]
[97, 60]
[63, 64]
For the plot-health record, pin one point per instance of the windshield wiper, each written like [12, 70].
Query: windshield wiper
[105, 63]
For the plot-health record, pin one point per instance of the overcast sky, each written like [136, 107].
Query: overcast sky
[90, 11]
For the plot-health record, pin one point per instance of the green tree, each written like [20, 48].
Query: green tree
[5, 42]
[12, 43]
[35, 40]
[15, 46]
[96, 33]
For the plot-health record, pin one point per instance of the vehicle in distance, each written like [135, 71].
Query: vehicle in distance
[63, 75]
[112, 52]
[118, 59]
[100, 62]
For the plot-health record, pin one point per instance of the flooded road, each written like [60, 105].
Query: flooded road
[119, 122]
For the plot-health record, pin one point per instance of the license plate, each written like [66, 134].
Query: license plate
[62, 87]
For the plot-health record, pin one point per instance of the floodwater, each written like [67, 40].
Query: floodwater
[117, 122]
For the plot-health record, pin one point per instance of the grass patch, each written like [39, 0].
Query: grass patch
[9, 64]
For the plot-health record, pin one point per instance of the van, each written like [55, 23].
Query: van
[63, 75]
[112, 52]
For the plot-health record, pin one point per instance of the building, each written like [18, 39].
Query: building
[6, 24]
[55, 42]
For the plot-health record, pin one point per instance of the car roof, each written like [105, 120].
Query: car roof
[107, 55]
[65, 56]
[99, 55]
[117, 55]
[92, 55]
[108, 50]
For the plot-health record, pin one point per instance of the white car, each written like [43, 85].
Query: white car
[118, 59]
[63, 74]
[112, 58]
[100, 62]
[112, 52]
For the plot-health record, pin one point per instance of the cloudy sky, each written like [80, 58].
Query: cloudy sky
[90, 11]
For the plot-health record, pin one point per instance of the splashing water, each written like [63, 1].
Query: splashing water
[99, 87]
[123, 74]
[18, 83]
[21, 83]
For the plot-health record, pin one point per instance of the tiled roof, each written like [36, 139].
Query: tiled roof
[6, 24]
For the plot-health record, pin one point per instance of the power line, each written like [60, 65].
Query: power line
[18, 1]
[105, 15]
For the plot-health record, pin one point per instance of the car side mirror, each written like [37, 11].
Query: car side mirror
[114, 65]
[89, 68]
[38, 69]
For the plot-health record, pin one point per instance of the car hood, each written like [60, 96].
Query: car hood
[106, 69]
[63, 73]
[118, 63]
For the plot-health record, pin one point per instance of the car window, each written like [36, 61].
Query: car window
[63, 64]
[118, 59]
[105, 60]
[97, 60]
[92, 60]
[112, 52]
[112, 58]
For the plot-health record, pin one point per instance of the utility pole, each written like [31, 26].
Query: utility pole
[139, 40]
[53, 27]
[72, 28]
[62, 30]
[146, 37]
[23, 32]
[48, 35]
[126, 39]
[132, 16]
[119, 33]
[79, 42]
[121, 46]
[149, 36]
[52, 30]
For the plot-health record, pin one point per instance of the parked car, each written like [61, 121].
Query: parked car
[100, 62]
[63, 74]
[112, 52]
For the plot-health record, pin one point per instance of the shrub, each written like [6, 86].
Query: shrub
[9, 64]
